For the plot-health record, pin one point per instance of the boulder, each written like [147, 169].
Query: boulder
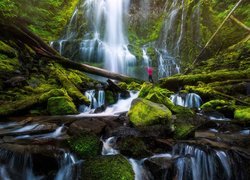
[108, 168]
[61, 106]
[86, 145]
[242, 113]
[146, 113]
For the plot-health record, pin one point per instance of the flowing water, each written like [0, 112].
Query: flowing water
[190, 100]
[122, 106]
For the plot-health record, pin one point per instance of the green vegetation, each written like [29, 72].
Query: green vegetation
[242, 113]
[183, 130]
[45, 18]
[86, 145]
[61, 106]
[147, 113]
[108, 168]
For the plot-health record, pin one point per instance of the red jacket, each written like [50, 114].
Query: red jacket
[150, 70]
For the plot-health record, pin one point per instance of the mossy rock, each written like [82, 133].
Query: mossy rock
[108, 168]
[8, 65]
[225, 107]
[61, 106]
[242, 113]
[147, 113]
[53, 93]
[86, 145]
[134, 86]
[110, 98]
[133, 147]
[154, 93]
[123, 85]
[183, 130]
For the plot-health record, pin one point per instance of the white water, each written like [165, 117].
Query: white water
[69, 169]
[96, 98]
[190, 100]
[108, 146]
[109, 41]
[122, 105]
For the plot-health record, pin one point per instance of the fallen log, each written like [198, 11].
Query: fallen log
[18, 33]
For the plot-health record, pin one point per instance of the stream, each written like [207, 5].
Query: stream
[27, 146]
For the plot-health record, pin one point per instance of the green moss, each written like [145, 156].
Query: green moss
[180, 80]
[61, 106]
[134, 86]
[123, 85]
[71, 89]
[133, 147]
[110, 98]
[108, 168]
[147, 113]
[19, 106]
[7, 50]
[242, 113]
[86, 145]
[7, 64]
[53, 93]
[215, 104]
[182, 130]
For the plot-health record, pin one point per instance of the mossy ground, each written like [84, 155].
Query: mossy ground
[108, 168]
[86, 145]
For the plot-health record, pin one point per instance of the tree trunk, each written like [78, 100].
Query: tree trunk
[213, 36]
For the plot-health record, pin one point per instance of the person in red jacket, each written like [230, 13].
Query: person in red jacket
[150, 74]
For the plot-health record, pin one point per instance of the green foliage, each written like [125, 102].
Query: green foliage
[182, 130]
[242, 113]
[61, 106]
[147, 113]
[86, 145]
[45, 18]
[108, 168]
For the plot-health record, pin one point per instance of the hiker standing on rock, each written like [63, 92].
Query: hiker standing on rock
[150, 73]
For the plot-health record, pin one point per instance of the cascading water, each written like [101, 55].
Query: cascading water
[106, 41]
[95, 101]
[190, 100]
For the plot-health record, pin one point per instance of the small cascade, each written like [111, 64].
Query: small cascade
[123, 105]
[96, 100]
[140, 172]
[190, 100]
[167, 65]
[70, 168]
[108, 146]
[70, 33]
[146, 58]
[197, 163]
[16, 166]
[101, 98]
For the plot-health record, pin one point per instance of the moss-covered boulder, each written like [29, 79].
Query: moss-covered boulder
[61, 106]
[147, 113]
[242, 113]
[182, 130]
[108, 168]
[86, 145]
[225, 107]
[53, 93]
[133, 147]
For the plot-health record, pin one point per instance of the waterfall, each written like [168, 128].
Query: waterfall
[197, 163]
[70, 168]
[101, 98]
[190, 100]
[16, 166]
[146, 58]
[106, 41]
[108, 146]
[96, 100]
